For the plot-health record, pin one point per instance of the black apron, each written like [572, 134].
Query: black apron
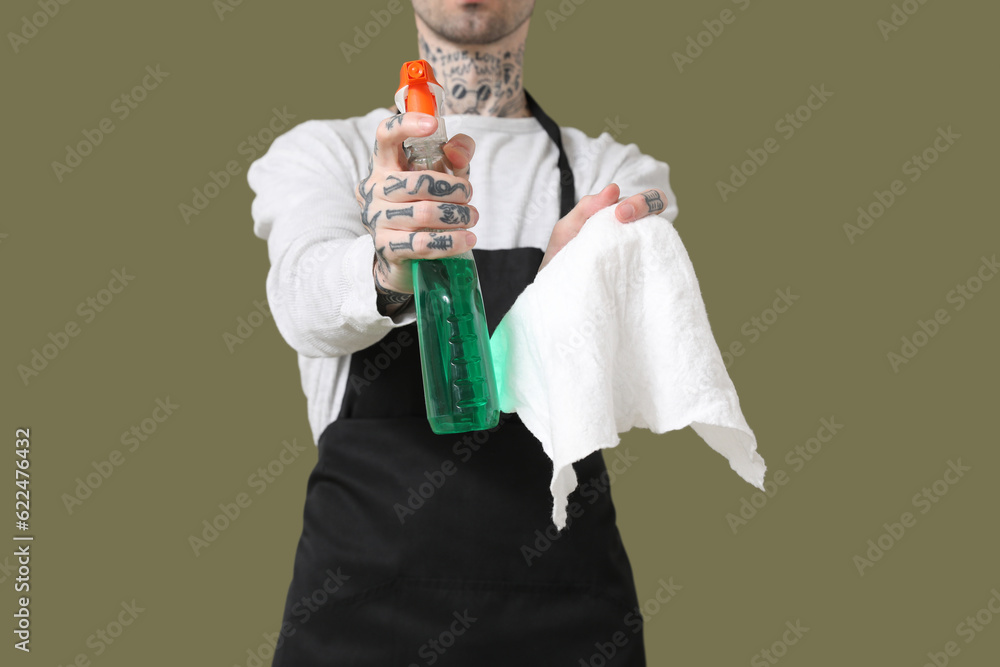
[424, 549]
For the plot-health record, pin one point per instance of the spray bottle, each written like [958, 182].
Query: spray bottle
[459, 384]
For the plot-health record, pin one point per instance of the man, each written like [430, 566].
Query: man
[420, 548]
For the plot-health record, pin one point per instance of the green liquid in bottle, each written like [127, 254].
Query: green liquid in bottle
[459, 383]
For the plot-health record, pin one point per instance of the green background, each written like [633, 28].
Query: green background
[162, 336]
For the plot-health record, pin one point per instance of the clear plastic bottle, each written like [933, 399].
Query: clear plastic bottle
[456, 362]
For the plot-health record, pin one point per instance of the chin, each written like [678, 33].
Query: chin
[473, 22]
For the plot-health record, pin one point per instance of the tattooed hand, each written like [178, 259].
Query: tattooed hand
[629, 209]
[413, 214]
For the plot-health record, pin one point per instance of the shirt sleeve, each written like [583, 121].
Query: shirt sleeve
[320, 285]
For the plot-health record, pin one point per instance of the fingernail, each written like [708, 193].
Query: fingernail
[470, 239]
[625, 212]
[425, 123]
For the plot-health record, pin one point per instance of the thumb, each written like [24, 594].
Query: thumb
[591, 204]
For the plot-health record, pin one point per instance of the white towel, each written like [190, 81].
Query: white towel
[613, 334]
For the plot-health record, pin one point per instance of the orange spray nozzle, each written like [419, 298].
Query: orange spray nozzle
[418, 89]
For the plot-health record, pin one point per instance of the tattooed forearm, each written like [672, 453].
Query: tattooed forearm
[438, 188]
[395, 212]
[388, 302]
[393, 183]
[391, 296]
[653, 201]
[453, 213]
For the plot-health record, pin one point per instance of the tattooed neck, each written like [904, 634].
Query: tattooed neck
[484, 79]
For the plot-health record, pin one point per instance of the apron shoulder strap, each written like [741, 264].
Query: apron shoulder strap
[566, 181]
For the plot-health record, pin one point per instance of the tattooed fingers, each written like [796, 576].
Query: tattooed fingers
[410, 215]
[431, 214]
[418, 215]
[392, 246]
[650, 202]
[396, 248]
[412, 186]
[455, 214]
[391, 132]
[439, 187]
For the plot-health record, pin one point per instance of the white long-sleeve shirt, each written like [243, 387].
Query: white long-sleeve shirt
[320, 285]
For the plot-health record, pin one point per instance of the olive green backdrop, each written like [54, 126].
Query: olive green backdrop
[743, 568]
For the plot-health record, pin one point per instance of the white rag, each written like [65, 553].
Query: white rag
[613, 334]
